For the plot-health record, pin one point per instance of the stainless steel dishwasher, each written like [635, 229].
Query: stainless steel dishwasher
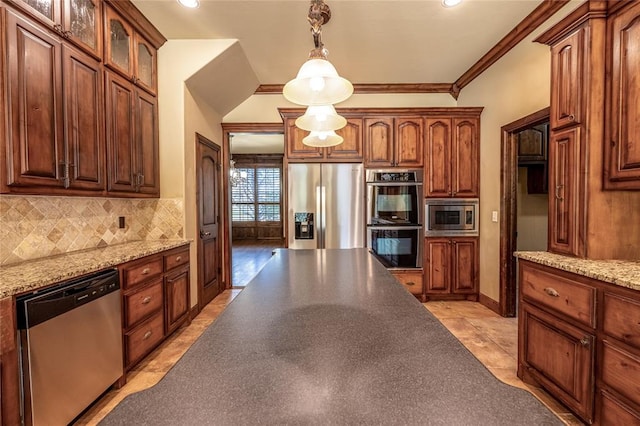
[71, 347]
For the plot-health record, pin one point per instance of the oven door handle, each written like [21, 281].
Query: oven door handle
[394, 183]
[394, 228]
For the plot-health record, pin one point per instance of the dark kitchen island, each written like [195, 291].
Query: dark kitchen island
[328, 337]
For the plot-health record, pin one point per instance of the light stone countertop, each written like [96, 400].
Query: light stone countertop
[625, 273]
[34, 274]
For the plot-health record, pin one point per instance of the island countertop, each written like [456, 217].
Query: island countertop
[624, 273]
[35, 274]
[328, 337]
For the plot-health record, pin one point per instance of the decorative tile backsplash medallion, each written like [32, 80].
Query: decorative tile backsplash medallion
[32, 227]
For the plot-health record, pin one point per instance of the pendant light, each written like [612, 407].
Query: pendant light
[322, 139]
[321, 118]
[318, 82]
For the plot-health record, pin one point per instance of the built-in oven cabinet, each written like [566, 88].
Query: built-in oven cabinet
[394, 197]
[451, 268]
[396, 246]
[452, 152]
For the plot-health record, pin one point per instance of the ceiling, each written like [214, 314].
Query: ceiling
[369, 41]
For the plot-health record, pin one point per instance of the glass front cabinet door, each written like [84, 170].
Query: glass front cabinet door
[145, 64]
[83, 25]
[118, 43]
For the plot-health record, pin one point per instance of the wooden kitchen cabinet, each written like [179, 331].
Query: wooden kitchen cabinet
[77, 21]
[9, 371]
[567, 58]
[394, 142]
[452, 157]
[451, 268]
[533, 144]
[351, 148]
[176, 289]
[411, 280]
[622, 144]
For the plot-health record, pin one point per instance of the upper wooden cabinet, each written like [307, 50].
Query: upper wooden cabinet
[128, 52]
[532, 144]
[622, 147]
[394, 142]
[567, 58]
[76, 20]
[452, 157]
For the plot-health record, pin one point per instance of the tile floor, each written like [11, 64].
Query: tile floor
[490, 337]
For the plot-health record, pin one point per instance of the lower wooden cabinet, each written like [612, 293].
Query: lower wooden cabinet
[411, 280]
[451, 268]
[155, 301]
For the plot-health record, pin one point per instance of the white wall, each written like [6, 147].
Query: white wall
[533, 216]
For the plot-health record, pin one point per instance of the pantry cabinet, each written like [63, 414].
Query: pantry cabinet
[622, 144]
[451, 268]
[452, 157]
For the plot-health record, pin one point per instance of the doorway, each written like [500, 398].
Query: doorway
[524, 195]
[255, 199]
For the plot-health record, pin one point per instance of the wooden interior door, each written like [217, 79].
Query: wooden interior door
[209, 252]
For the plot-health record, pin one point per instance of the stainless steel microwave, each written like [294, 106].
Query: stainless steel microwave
[450, 217]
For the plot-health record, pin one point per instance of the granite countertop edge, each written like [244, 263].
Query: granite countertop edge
[624, 273]
[36, 274]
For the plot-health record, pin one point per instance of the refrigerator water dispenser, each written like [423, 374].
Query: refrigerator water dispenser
[304, 226]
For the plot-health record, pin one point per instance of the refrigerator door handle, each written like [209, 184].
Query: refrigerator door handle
[318, 218]
[323, 214]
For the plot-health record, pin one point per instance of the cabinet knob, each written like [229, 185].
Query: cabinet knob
[585, 341]
[572, 117]
[67, 34]
[145, 271]
[551, 292]
[146, 300]
[147, 335]
[178, 258]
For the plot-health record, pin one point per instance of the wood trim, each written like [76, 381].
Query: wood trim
[508, 208]
[588, 10]
[9, 383]
[540, 14]
[489, 303]
[193, 312]
[368, 88]
[253, 127]
[139, 21]
[259, 159]
[369, 112]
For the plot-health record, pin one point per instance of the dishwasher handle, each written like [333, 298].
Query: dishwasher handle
[38, 307]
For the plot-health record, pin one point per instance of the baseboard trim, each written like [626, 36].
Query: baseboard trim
[489, 303]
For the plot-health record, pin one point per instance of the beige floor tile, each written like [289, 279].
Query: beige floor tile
[459, 309]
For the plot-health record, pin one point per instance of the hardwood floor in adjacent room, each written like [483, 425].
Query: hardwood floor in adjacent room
[248, 257]
[491, 338]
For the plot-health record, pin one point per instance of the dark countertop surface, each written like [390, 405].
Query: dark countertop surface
[328, 337]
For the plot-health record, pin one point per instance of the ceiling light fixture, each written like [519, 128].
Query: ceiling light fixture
[321, 118]
[192, 4]
[318, 82]
[323, 139]
[451, 3]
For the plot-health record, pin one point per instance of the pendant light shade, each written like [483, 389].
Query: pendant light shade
[321, 118]
[322, 139]
[317, 83]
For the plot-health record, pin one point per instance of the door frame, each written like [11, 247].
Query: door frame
[228, 128]
[509, 208]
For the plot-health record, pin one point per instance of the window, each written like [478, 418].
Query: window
[257, 199]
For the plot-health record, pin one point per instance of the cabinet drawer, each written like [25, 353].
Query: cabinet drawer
[614, 413]
[174, 260]
[412, 281]
[140, 272]
[144, 338]
[622, 319]
[621, 371]
[564, 295]
[142, 303]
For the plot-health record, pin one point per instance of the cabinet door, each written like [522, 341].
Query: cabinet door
[378, 139]
[83, 103]
[438, 159]
[47, 11]
[532, 144]
[120, 134]
[351, 148]
[561, 357]
[118, 41]
[176, 290]
[564, 178]
[623, 147]
[464, 264]
[34, 91]
[438, 265]
[145, 64]
[83, 24]
[147, 175]
[566, 80]
[465, 152]
[296, 150]
[409, 141]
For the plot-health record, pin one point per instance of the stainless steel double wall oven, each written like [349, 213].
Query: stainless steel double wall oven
[394, 214]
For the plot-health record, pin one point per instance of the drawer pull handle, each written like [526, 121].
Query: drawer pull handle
[178, 258]
[411, 283]
[551, 292]
[147, 335]
[145, 271]
[146, 300]
[585, 341]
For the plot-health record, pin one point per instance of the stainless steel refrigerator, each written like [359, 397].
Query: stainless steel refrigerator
[326, 206]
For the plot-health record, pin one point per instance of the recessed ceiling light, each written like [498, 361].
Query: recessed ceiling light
[189, 3]
[451, 3]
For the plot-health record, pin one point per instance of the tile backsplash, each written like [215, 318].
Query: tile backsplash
[32, 227]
